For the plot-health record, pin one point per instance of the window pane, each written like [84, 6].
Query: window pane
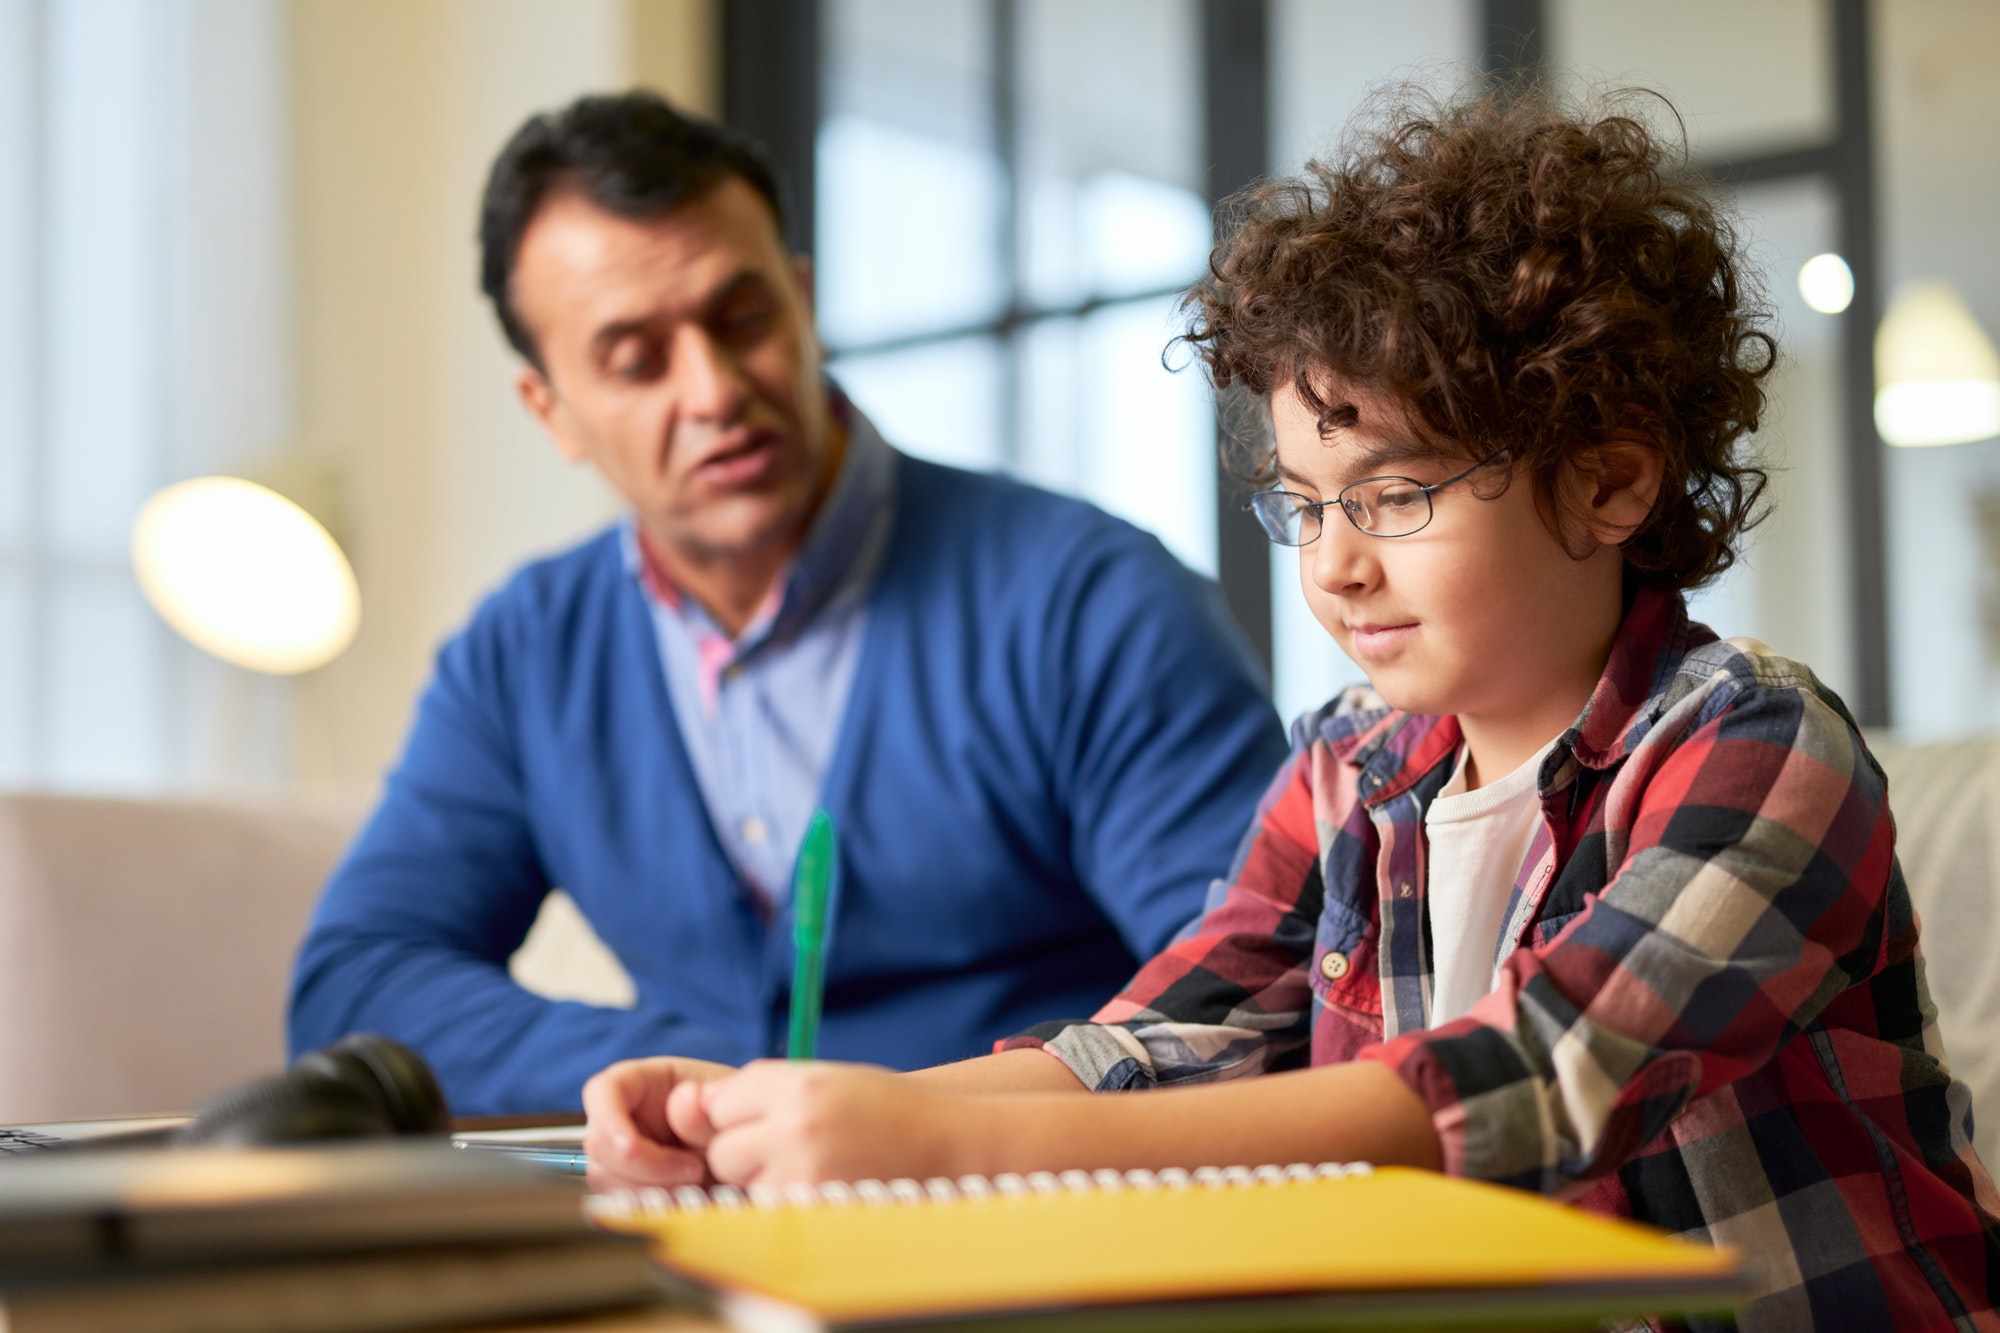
[1792, 587]
[1110, 148]
[1103, 418]
[106, 718]
[108, 164]
[940, 401]
[17, 276]
[1327, 54]
[144, 332]
[918, 217]
[1745, 77]
[1938, 105]
[911, 196]
[17, 639]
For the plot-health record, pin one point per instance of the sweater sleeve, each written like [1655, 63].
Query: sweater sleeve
[1166, 736]
[412, 936]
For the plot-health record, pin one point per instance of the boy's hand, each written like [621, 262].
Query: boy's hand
[782, 1121]
[645, 1125]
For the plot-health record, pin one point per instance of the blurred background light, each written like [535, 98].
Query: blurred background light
[1827, 283]
[244, 573]
[1937, 375]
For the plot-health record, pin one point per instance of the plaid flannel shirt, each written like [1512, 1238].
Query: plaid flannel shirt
[1708, 1008]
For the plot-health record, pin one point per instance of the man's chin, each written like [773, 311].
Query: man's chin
[736, 537]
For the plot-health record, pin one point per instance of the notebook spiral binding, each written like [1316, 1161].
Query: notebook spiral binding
[626, 1205]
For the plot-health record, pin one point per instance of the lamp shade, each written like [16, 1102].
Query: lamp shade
[243, 573]
[1937, 376]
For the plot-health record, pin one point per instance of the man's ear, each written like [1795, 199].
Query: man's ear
[1616, 484]
[539, 397]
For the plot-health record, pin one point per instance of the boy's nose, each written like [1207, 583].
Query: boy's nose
[1343, 559]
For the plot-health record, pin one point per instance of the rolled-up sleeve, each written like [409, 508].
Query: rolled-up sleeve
[1749, 893]
[1229, 996]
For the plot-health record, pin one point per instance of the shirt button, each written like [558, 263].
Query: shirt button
[1404, 890]
[754, 831]
[1333, 966]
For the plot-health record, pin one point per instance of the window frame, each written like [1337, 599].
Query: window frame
[772, 89]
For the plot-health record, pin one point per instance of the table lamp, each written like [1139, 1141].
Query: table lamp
[1937, 376]
[246, 574]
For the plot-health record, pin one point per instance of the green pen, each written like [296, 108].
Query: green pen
[810, 880]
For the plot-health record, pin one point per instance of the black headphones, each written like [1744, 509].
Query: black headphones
[362, 1086]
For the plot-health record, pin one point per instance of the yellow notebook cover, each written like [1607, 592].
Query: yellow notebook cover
[1367, 1242]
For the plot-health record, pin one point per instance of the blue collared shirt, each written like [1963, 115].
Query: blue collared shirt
[759, 714]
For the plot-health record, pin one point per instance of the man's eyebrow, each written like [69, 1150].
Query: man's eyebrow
[741, 281]
[610, 335]
[605, 339]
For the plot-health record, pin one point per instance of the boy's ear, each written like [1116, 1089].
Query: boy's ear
[1616, 484]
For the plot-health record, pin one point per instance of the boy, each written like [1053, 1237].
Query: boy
[1578, 898]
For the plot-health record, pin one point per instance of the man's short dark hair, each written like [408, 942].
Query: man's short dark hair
[630, 154]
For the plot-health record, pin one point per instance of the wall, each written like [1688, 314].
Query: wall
[403, 382]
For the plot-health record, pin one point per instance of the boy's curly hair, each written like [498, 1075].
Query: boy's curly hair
[1517, 278]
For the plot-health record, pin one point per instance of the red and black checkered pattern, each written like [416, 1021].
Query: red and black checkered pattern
[1708, 1008]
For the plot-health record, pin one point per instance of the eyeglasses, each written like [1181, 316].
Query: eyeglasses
[1378, 506]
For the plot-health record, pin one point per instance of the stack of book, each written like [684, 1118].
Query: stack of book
[369, 1235]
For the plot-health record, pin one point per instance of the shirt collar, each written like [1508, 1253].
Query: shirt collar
[844, 545]
[1654, 639]
[1395, 750]
[839, 554]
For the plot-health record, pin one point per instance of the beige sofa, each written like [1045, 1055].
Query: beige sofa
[145, 945]
[1947, 802]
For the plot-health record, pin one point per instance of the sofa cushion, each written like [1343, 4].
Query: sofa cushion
[1946, 799]
[146, 945]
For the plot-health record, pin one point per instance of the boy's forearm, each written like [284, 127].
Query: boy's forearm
[1022, 1070]
[1358, 1112]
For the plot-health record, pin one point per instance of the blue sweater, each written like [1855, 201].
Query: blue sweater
[1052, 744]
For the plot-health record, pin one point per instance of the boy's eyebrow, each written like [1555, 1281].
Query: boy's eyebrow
[1371, 460]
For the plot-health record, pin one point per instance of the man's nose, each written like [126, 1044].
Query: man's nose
[1343, 560]
[707, 377]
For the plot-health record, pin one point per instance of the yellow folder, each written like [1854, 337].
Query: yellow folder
[1301, 1246]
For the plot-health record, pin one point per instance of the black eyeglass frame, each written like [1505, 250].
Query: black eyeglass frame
[1316, 508]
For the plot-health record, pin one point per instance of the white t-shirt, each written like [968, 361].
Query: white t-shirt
[1478, 840]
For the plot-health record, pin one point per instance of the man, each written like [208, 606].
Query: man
[1034, 735]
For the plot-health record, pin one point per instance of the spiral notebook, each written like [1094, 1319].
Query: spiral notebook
[1271, 1247]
